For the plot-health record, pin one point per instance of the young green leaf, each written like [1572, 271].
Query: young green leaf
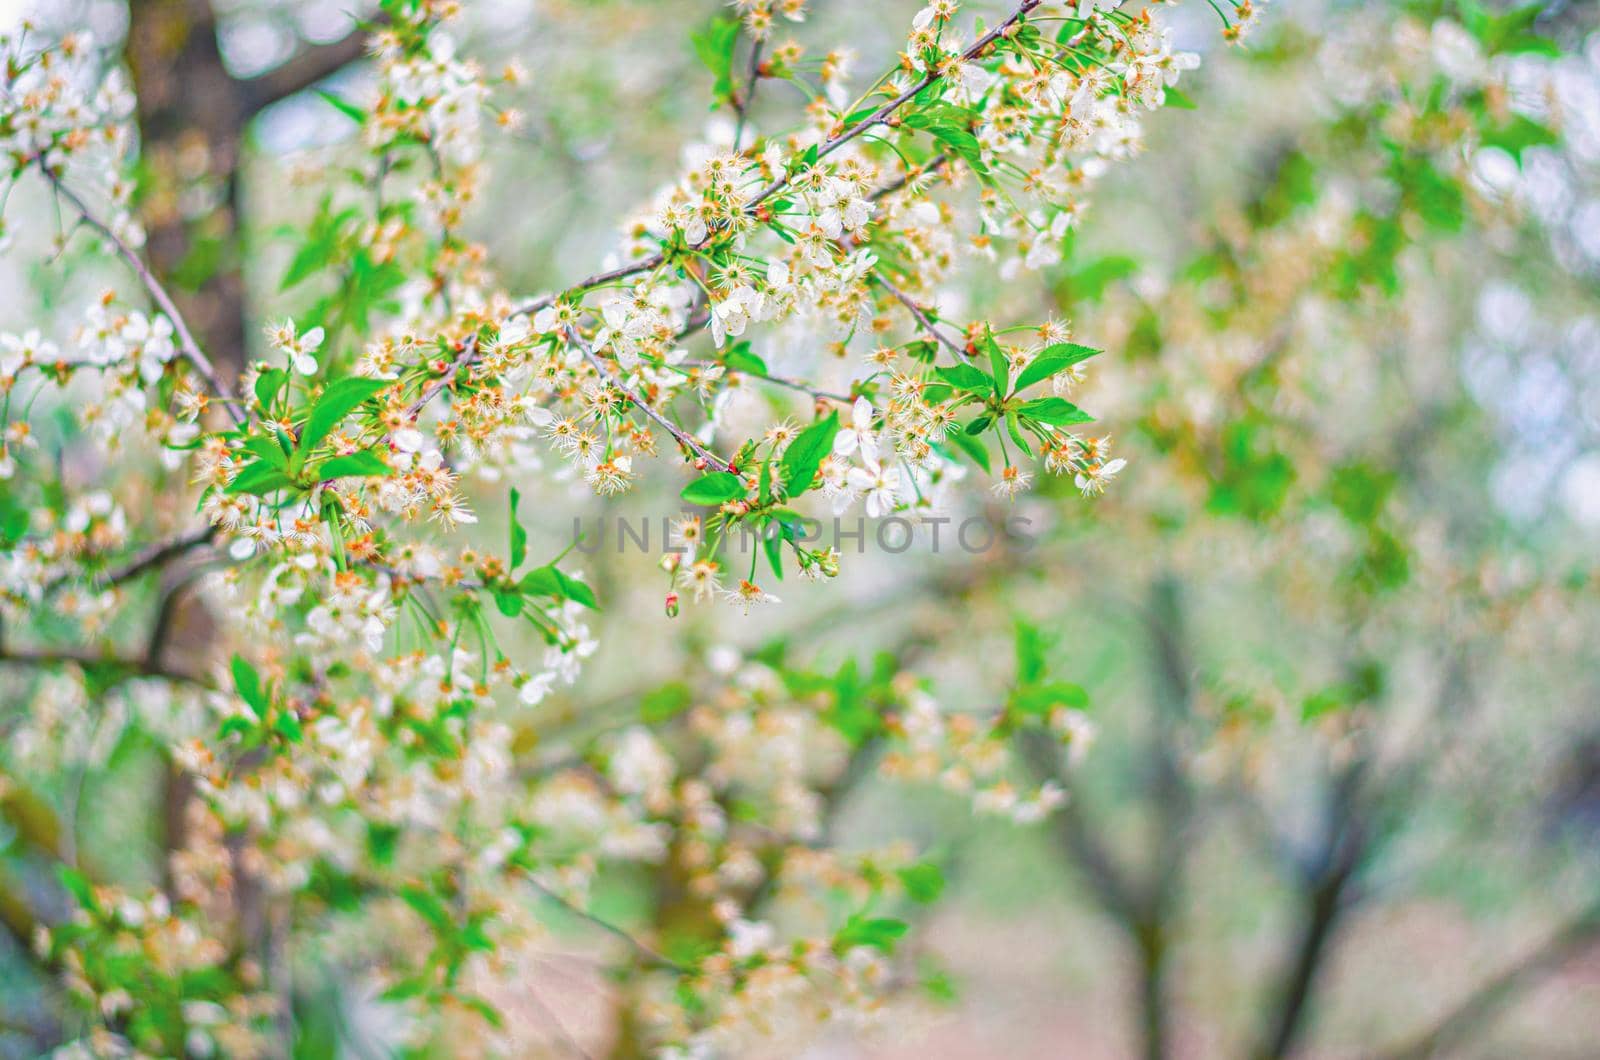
[509, 602]
[337, 402]
[1052, 359]
[519, 536]
[879, 933]
[268, 383]
[714, 46]
[552, 581]
[973, 447]
[1016, 433]
[259, 478]
[806, 453]
[366, 462]
[270, 452]
[1055, 411]
[998, 365]
[713, 488]
[248, 684]
[965, 377]
[924, 882]
[345, 107]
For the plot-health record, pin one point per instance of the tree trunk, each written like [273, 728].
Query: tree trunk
[192, 115]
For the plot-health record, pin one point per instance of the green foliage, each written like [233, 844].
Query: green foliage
[879, 933]
[714, 45]
[806, 453]
[342, 397]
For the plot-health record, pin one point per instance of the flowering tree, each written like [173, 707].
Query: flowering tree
[351, 766]
[292, 565]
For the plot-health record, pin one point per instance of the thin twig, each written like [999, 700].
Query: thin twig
[828, 147]
[1565, 943]
[922, 317]
[741, 104]
[778, 380]
[45, 658]
[471, 351]
[882, 114]
[650, 954]
[683, 437]
[158, 294]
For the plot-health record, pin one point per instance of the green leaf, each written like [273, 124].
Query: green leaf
[965, 377]
[806, 453]
[428, 906]
[509, 601]
[345, 107]
[287, 725]
[268, 383]
[665, 703]
[1179, 100]
[1519, 134]
[952, 126]
[77, 884]
[998, 365]
[879, 933]
[519, 536]
[714, 46]
[270, 452]
[363, 463]
[337, 402]
[1054, 410]
[248, 684]
[551, 581]
[773, 546]
[1016, 433]
[713, 488]
[924, 882]
[980, 424]
[311, 256]
[1050, 360]
[260, 479]
[1039, 700]
[740, 358]
[973, 447]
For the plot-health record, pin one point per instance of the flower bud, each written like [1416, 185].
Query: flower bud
[672, 605]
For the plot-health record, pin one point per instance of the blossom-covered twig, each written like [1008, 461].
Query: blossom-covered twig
[921, 316]
[158, 294]
[683, 437]
[828, 147]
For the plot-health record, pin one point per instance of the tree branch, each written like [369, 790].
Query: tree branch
[1565, 943]
[683, 437]
[46, 658]
[922, 318]
[877, 117]
[158, 294]
[304, 69]
[650, 955]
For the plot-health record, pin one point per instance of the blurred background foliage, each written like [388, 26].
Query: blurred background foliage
[1337, 623]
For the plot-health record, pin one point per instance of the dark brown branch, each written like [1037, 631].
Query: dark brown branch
[1565, 943]
[304, 69]
[128, 669]
[157, 555]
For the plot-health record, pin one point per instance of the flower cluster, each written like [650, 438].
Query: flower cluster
[354, 740]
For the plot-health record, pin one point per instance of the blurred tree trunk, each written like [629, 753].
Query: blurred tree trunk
[192, 115]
